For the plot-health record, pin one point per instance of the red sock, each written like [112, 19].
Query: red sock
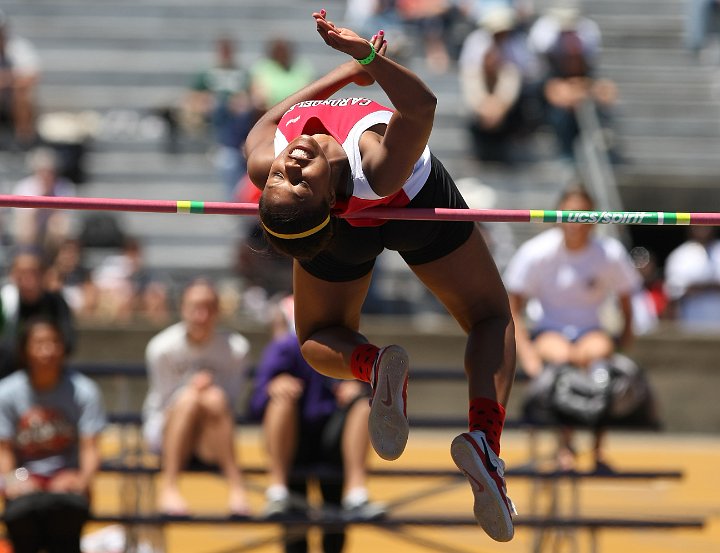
[489, 416]
[362, 361]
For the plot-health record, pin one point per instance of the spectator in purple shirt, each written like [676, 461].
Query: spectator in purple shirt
[310, 420]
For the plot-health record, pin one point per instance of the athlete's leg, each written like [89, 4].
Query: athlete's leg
[327, 319]
[467, 282]
[469, 285]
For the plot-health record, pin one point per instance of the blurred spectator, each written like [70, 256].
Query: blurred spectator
[43, 228]
[68, 274]
[570, 274]
[127, 288]
[650, 302]
[570, 44]
[225, 77]
[19, 76]
[50, 424]
[692, 277]
[429, 19]
[369, 16]
[25, 297]
[279, 74]
[308, 420]
[498, 78]
[219, 100]
[69, 135]
[232, 118]
[477, 9]
[702, 18]
[196, 371]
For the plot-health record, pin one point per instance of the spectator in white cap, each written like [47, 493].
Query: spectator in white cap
[43, 228]
[497, 73]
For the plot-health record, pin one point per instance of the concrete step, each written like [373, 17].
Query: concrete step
[639, 107]
[678, 126]
[684, 152]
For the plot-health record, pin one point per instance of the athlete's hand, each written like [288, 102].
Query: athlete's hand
[361, 76]
[346, 40]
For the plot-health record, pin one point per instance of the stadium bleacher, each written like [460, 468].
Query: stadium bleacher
[125, 60]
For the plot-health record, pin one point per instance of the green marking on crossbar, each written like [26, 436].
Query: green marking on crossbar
[190, 206]
[610, 217]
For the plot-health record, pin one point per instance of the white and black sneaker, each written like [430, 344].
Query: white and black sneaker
[485, 472]
[388, 423]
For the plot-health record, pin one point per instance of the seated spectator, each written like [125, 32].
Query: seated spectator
[127, 289]
[50, 424]
[497, 81]
[69, 275]
[702, 17]
[226, 76]
[196, 371]
[650, 302]
[570, 44]
[43, 228]
[19, 76]
[231, 120]
[219, 100]
[427, 18]
[25, 297]
[692, 278]
[279, 74]
[310, 419]
[570, 274]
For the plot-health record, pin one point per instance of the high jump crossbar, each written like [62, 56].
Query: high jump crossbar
[420, 214]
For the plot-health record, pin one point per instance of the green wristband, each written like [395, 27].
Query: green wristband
[369, 58]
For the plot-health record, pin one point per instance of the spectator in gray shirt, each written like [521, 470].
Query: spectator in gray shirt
[50, 423]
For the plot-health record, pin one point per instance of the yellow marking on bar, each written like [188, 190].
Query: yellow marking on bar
[537, 215]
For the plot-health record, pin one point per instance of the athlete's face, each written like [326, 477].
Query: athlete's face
[300, 174]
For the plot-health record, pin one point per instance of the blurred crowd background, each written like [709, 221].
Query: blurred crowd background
[148, 100]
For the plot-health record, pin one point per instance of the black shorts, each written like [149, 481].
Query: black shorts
[353, 250]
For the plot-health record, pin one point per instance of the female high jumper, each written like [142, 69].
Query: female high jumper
[313, 158]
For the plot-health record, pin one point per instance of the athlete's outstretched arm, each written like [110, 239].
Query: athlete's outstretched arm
[389, 165]
[259, 143]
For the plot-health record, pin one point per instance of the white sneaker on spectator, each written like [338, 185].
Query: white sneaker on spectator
[485, 472]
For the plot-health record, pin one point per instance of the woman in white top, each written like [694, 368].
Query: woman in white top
[570, 273]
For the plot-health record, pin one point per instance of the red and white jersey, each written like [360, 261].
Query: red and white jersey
[345, 119]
